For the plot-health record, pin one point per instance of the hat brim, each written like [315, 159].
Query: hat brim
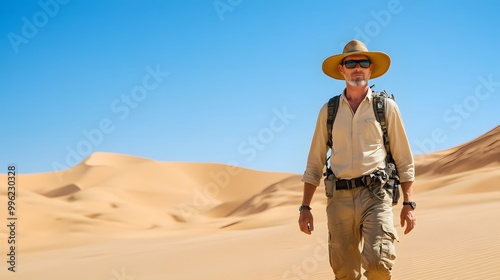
[381, 63]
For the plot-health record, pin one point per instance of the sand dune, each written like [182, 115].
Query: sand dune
[481, 152]
[122, 217]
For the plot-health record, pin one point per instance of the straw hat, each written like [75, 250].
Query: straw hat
[381, 61]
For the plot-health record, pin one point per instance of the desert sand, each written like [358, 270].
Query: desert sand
[120, 217]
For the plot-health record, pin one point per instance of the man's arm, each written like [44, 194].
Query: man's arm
[407, 216]
[399, 144]
[306, 219]
[314, 168]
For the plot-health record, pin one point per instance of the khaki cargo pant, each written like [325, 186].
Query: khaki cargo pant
[361, 233]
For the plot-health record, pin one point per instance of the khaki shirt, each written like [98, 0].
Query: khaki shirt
[358, 145]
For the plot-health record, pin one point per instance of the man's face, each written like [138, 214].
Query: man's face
[357, 76]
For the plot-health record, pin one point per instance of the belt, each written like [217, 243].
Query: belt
[351, 183]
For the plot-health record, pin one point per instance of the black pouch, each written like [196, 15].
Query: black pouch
[392, 184]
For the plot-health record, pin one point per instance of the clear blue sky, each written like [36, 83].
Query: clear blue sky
[230, 81]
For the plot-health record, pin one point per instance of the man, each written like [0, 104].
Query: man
[358, 215]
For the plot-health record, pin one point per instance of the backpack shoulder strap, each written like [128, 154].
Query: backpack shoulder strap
[379, 108]
[333, 107]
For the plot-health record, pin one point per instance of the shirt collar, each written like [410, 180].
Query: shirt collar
[369, 95]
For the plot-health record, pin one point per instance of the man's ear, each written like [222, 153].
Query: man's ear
[341, 69]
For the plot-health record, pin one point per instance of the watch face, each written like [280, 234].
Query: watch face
[412, 204]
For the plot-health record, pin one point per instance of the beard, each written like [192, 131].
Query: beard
[357, 82]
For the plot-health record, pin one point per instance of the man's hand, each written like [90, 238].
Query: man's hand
[306, 218]
[306, 221]
[408, 218]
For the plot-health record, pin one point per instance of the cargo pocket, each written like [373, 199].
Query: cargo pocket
[387, 248]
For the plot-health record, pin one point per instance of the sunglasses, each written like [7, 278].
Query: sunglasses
[350, 64]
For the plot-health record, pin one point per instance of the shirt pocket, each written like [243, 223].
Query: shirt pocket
[371, 133]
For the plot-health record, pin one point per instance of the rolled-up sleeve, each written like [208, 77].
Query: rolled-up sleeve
[400, 147]
[317, 153]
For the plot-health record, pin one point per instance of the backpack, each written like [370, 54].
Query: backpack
[379, 108]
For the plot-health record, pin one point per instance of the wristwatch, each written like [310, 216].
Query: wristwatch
[412, 204]
[304, 207]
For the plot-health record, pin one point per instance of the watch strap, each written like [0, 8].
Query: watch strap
[304, 207]
[412, 204]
